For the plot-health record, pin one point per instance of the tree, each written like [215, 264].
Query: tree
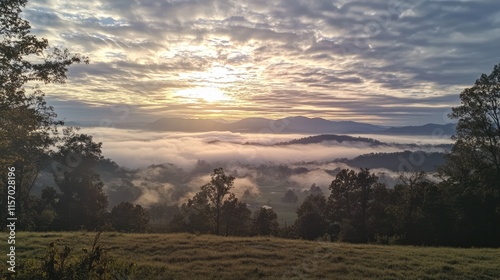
[235, 217]
[417, 212]
[46, 210]
[195, 216]
[349, 201]
[129, 217]
[472, 169]
[290, 197]
[216, 191]
[213, 209]
[311, 220]
[265, 222]
[29, 125]
[478, 127]
[314, 190]
[82, 202]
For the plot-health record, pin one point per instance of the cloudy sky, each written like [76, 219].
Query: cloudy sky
[387, 62]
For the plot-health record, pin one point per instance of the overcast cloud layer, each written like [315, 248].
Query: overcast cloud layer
[391, 62]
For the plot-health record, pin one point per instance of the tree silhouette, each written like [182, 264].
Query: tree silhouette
[349, 201]
[29, 125]
[235, 217]
[129, 217]
[472, 170]
[311, 220]
[265, 222]
[290, 197]
[216, 191]
[82, 202]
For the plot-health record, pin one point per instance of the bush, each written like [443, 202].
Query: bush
[58, 264]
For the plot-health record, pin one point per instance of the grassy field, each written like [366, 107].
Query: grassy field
[187, 256]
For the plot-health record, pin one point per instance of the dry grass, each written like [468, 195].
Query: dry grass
[187, 256]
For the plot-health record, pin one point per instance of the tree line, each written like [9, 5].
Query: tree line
[461, 208]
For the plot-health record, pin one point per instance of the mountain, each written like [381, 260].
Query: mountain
[325, 139]
[316, 139]
[301, 125]
[186, 125]
[428, 129]
[319, 125]
[261, 125]
[398, 161]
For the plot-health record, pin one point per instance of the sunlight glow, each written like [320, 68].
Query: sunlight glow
[208, 94]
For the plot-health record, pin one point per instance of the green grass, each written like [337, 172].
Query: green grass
[187, 256]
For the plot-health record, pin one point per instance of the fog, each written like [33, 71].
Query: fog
[170, 167]
[138, 149]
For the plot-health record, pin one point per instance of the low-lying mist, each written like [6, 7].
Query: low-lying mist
[170, 167]
[137, 149]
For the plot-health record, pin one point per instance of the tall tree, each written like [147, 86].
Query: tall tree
[472, 170]
[290, 197]
[349, 201]
[265, 222]
[129, 217]
[216, 191]
[29, 125]
[194, 216]
[311, 220]
[417, 211]
[478, 127]
[235, 217]
[82, 203]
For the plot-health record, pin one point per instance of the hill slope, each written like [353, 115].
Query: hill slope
[187, 256]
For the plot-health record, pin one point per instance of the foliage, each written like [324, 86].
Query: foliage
[128, 217]
[472, 170]
[418, 213]
[59, 264]
[265, 222]
[235, 217]
[290, 197]
[82, 203]
[349, 202]
[213, 209]
[216, 191]
[195, 216]
[311, 220]
[29, 125]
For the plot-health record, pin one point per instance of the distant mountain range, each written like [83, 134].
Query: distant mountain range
[301, 125]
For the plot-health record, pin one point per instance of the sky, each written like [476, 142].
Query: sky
[396, 62]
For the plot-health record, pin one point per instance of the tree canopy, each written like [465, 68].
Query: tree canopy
[29, 125]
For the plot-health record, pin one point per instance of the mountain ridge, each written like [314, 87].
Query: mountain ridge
[298, 124]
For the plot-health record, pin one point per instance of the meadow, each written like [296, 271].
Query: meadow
[189, 256]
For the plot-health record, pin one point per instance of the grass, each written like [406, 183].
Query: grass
[188, 256]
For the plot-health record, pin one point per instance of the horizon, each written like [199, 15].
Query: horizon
[223, 120]
[366, 61]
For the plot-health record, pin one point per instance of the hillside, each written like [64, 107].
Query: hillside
[398, 161]
[187, 256]
[330, 137]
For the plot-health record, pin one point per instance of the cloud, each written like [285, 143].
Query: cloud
[318, 176]
[166, 167]
[141, 148]
[380, 61]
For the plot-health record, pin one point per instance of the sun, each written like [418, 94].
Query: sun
[208, 94]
